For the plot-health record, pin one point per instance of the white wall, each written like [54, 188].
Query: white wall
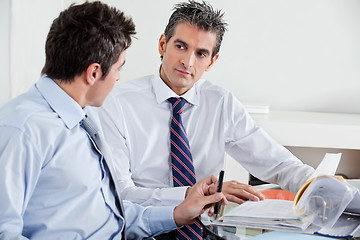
[4, 50]
[293, 55]
[30, 23]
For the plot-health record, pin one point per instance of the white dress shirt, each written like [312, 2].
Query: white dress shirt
[52, 180]
[136, 118]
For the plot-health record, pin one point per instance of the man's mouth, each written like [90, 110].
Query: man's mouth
[182, 72]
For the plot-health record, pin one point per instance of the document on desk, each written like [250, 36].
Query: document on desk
[273, 214]
[326, 205]
[327, 166]
[329, 202]
[334, 192]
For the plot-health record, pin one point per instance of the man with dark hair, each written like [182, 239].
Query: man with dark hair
[200, 15]
[56, 171]
[138, 121]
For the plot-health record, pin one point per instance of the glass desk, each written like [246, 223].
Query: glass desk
[232, 233]
[242, 233]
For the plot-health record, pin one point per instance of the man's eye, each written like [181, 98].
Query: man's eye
[179, 46]
[201, 54]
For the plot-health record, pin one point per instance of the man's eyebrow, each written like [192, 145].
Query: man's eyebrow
[203, 50]
[181, 42]
[122, 64]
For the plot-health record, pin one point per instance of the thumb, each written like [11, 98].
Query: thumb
[212, 189]
[216, 197]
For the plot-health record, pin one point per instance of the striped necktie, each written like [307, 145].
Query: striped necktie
[182, 164]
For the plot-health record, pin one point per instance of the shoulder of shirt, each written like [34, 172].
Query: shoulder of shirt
[25, 111]
[206, 87]
[137, 85]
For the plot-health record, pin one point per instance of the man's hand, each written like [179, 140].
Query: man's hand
[198, 199]
[238, 192]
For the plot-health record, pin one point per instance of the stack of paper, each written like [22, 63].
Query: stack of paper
[273, 214]
[340, 218]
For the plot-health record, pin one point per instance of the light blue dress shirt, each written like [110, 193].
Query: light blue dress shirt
[52, 185]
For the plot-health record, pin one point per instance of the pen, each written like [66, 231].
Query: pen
[217, 205]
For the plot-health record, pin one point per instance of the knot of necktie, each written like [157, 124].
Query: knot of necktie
[89, 127]
[177, 104]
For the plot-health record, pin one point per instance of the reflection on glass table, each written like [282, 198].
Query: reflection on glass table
[215, 232]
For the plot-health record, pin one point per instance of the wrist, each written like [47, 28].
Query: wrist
[178, 216]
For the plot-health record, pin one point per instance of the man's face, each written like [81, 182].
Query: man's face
[102, 87]
[186, 56]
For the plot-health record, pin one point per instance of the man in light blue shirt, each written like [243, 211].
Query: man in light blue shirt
[54, 183]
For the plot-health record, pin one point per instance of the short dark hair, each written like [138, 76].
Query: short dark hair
[202, 16]
[85, 34]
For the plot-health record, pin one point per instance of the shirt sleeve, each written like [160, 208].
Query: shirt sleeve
[20, 168]
[144, 222]
[259, 153]
[112, 124]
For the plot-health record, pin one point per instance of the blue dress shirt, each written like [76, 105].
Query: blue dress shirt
[52, 185]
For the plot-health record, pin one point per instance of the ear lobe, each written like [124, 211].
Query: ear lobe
[213, 60]
[162, 44]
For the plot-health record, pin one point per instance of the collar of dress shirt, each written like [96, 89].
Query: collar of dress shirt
[163, 92]
[61, 103]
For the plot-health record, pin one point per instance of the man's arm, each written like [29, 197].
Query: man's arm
[267, 160]
[259, 153]
[143, 222]
[18, 174]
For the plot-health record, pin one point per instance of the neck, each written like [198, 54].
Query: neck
[179, 91]
[76, 89]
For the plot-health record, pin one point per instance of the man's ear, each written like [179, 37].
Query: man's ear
[162, 44]
[213, 60]
[93, 73]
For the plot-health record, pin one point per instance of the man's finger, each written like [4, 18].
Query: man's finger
[214, 198]
[210, 180]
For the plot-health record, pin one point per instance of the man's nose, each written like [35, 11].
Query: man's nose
[188, 60]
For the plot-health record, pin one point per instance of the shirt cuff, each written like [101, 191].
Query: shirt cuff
[164, 219]
[175, 195]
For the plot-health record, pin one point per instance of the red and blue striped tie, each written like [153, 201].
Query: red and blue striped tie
[182, 163]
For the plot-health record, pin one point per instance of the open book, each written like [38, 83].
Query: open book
[273, 214]
[323, 206]
[328, 202]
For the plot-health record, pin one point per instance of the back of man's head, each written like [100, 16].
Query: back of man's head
[85, 34]
[202, 16]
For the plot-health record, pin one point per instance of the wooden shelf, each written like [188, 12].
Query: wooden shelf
[312, 129]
